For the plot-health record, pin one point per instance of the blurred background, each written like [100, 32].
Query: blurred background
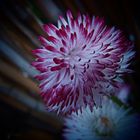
[22, 113]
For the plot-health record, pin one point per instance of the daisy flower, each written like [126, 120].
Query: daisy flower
[109, 122]
[78, 56]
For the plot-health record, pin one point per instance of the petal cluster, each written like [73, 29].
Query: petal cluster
[77, 57]
[109, 122]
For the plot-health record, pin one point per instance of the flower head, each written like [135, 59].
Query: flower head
[109, 122]
[78, 56]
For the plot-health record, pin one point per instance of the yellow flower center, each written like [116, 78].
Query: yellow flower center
[104, 126]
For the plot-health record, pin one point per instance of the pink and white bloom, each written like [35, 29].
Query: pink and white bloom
[109, 122]
[78, 56]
